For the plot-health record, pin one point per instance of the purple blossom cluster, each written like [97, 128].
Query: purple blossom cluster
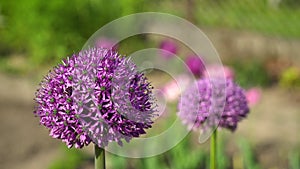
[78, 100]
[211, 103]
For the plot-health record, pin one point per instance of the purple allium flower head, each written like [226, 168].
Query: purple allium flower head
[195, 64]
[107, 43]
[56, 106]
[217, 70]
[169, 48]
[78, 100]
[202, 105]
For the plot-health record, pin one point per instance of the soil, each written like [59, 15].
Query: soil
[24, 144]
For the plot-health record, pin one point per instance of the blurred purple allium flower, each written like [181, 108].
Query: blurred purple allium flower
[195, 64]
[215, 71]
[78, 104]
[202, 106]
[107, 43]
[168, 48]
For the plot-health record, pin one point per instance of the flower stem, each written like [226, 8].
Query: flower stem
[99, 158]
[213, 150]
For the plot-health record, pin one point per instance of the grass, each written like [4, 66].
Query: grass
[186, 155]
[71, 159]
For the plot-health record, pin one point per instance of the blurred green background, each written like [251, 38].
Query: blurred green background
[259, 39]
[46, 32]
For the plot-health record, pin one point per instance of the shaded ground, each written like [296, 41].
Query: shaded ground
[24, 144]
[273, 127]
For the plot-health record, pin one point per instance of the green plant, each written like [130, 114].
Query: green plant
[252, 15]
[45, 32]
[185, 156]
[72, 158]
[290, 78]
[294, 160]
[250, 73]
[248, 155]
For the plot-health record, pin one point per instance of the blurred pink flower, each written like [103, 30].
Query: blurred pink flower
[107, 43]
[217, 70]
[172, 89]
[253, 95]
[168, 48]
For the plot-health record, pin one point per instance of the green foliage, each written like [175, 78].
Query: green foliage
[8, 69]
[290, 78]
[254, 15]
[49, 31]
[250, 73]
[185, 156]
[248, 155]
[294, 160]
[46, 32]
[222, 157]
[291, 3]
[153, 162]
[115, 161]
[71, 159]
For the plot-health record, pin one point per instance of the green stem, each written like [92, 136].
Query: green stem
[213, 150]
[99, 158]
